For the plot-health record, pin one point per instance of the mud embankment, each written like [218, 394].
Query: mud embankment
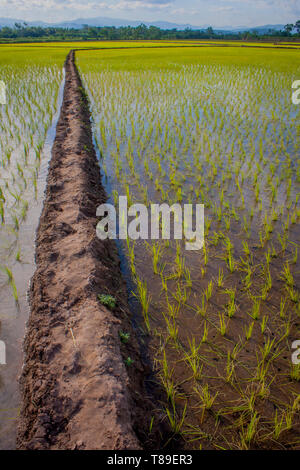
[77, 392]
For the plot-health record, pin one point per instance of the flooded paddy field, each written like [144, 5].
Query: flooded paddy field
[28, 121]
[215, 127]
[216, 327]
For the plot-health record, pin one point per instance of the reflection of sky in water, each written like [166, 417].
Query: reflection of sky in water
[13, 317]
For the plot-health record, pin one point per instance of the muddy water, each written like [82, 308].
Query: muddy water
[13, 316]
[196, 316]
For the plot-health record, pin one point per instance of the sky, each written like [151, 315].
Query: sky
[195, 12]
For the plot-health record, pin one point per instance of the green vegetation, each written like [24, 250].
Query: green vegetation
[129, 361]
[32, 79]
[23, 32]
[212, 125]
[124, 337]
[107, 300]
[216, 126]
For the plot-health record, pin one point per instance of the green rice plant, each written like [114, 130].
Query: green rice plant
[229, 255]
[175, 422]
[295, 257]
[230, 366]
[265, 351]
[255, 312]
[295, 372]
[164, 282]
[180, 295]
[293, 294]
[171, 327]
[263, 324]
[249, 271]
[246, 248]
[205, 253]
[187, 275]
[283, 241]
[287, 276]
[144, 299]
[220, 281]
[282, 311]
[261, 370]
[180, 267]
[156, 255]
[207, 399]
[236, 350]
[11, 281]
[193, 359]
[247, 435]
[203, 308]
[248, 331]
[279, 424]
[231, 306]
[205, 333]
[222, 324]
[166, 377]
[208, 291]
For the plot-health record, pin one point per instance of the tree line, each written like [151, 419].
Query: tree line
[25, 32]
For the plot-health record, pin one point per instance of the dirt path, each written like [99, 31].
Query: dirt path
[77, 392]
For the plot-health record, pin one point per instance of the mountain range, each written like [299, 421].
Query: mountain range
[103, 21]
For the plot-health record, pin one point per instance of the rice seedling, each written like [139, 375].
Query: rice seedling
[176, 423]
[295, 372]
[144, 299]
[248, 331]
[256, 307]
[248, 434]
[207, 399]
[220, 281]
[222, 323]
[287, 276]
[168, 133]
[11, 281]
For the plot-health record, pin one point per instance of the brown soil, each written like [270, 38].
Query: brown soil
[77, 392]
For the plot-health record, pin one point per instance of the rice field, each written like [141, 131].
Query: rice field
[176, 123]
[214, 126]
[33, 83]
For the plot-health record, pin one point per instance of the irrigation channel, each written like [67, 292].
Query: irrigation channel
[76, 390]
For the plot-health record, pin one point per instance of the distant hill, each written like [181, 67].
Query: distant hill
[103, 21]
[260, 29]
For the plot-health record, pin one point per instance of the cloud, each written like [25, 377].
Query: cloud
[78, 4]
[153, 2]
[221, 9]
[142, 4]
[231, 12]
[23, 5]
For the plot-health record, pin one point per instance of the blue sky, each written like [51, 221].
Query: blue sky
[196, 12]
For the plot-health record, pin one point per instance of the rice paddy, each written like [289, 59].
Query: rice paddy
[214, 126]
[32, 91]
[193, 124]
